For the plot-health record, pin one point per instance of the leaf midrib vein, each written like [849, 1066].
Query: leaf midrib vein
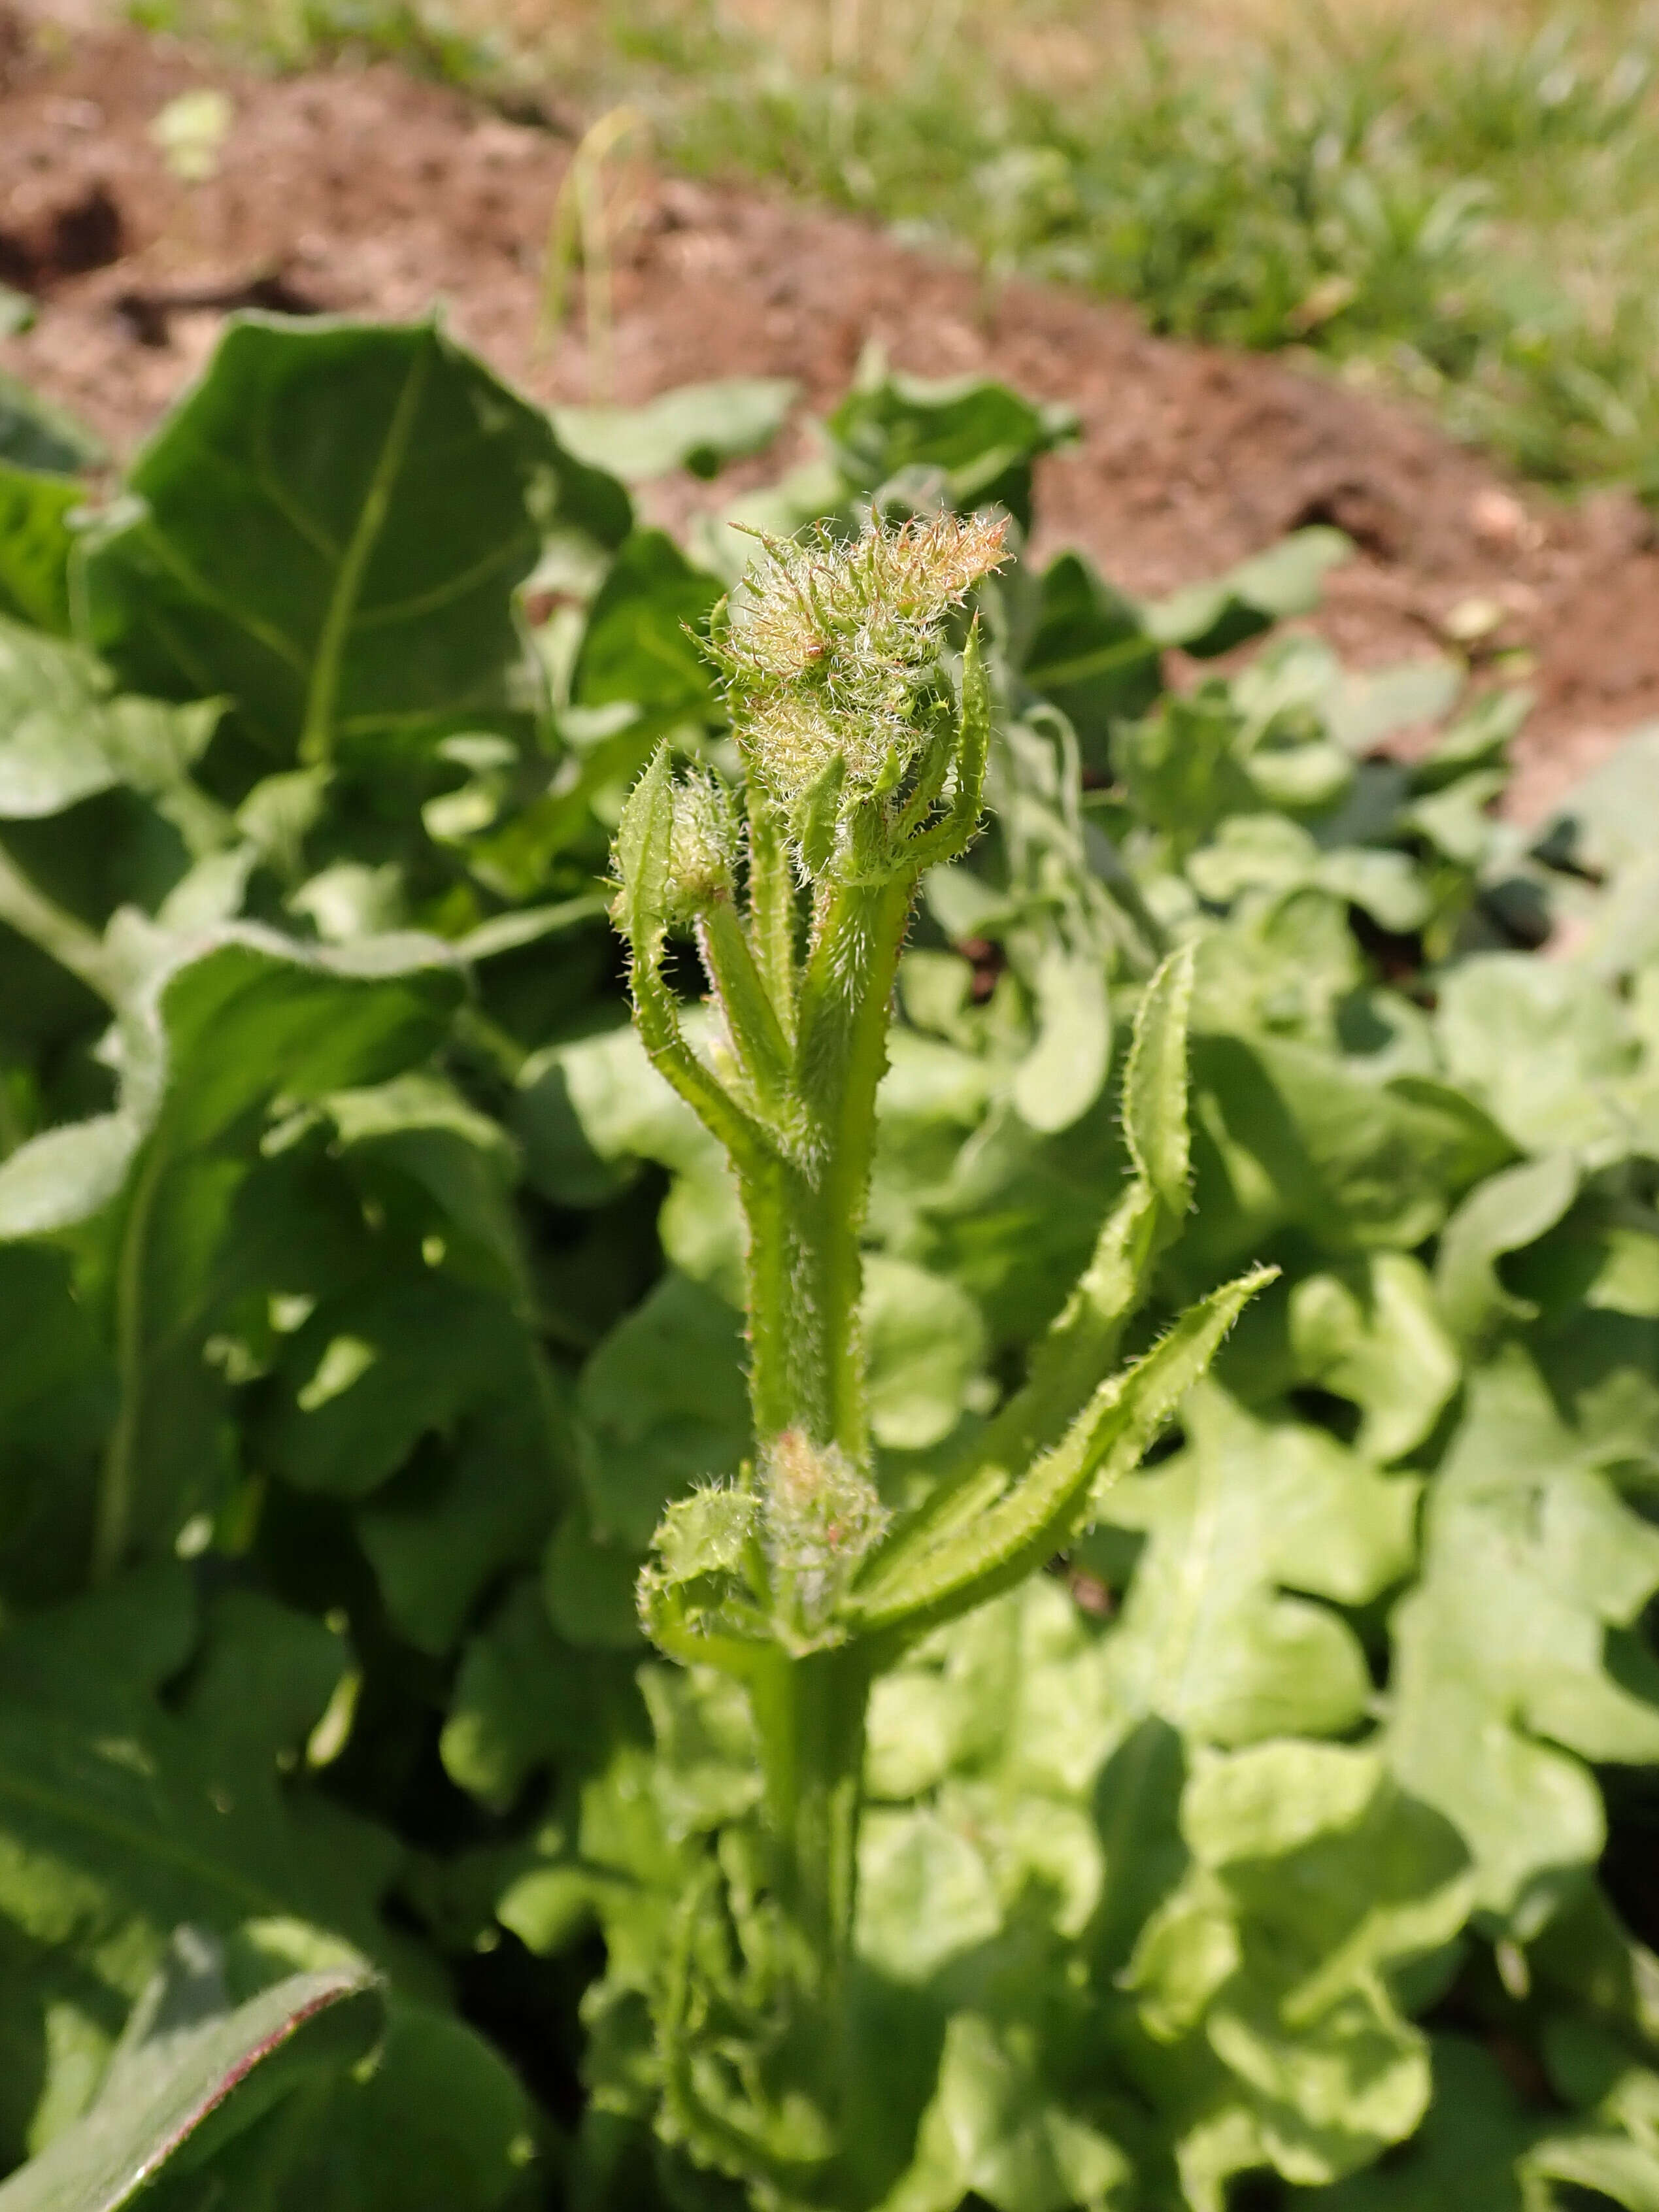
[317, 736]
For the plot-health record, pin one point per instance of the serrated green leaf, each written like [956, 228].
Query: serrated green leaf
[1067, 1360]
[1503, 1215]
[1499, 1685]
[1371, 1333]
[1249, 1511]
[814, 818]
[644, 849]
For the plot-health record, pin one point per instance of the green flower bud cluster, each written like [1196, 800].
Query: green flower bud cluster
[830, 648]
[821, 1516]
[768, 1560]
[704, 846]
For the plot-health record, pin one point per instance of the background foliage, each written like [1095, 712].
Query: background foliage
[1461, 205]
[369, 1296]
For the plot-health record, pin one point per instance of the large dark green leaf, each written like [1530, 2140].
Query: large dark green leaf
[124, 1818]
[331, 528]
[437, 2118]
[57, 1397]
[662, 1405]
[125, 1814]
[374, 1368]
[208, 1043]
[637, 645]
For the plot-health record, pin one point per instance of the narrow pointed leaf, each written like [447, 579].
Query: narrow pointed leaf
[752, 1019]
[928, 1575]
[1071, 1359]
[1155, 1082]
[973, 748]
[952, 835]
[818, 815]
[644, 846]
[643, 858]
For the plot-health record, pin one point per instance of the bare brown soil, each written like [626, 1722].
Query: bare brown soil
[364, 192]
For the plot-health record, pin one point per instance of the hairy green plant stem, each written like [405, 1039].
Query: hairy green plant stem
[810, 1716]
[792, 1097]
[807, 1218]
[805, 1268]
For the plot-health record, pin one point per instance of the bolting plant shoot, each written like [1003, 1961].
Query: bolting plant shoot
[864, 728]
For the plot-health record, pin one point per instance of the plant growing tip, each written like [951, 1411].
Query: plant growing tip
[865, 763]
[831, 661]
